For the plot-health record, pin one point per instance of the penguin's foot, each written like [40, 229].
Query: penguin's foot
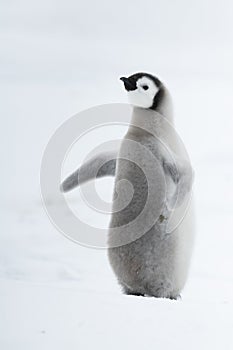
[128, 291]
[175, 297]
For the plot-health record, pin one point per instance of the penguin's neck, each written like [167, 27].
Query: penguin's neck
[158, 122]
[149, 121]
[164, 106]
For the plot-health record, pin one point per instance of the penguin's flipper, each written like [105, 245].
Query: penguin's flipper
[171, 170]
[182, 175]
[103, 164]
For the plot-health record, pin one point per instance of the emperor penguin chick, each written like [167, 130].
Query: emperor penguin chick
[152, 182]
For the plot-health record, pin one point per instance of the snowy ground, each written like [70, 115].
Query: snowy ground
[53, 292]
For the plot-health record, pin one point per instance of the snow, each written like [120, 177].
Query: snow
[58, 294]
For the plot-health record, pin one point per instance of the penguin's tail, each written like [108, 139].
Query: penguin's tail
[103, 164]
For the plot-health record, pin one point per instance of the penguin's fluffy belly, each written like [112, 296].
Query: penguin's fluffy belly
[147, 266]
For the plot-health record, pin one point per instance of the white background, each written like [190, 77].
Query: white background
[58, 58]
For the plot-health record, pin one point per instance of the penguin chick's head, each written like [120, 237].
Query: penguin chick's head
[144, 90]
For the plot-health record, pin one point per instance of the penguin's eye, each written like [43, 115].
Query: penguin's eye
[145, 87]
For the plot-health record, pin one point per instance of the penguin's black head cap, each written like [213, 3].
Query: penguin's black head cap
[144, 90]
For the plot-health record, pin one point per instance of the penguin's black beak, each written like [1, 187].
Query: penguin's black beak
[129, 84]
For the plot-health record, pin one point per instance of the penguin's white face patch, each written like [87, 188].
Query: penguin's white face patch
[145, 93]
